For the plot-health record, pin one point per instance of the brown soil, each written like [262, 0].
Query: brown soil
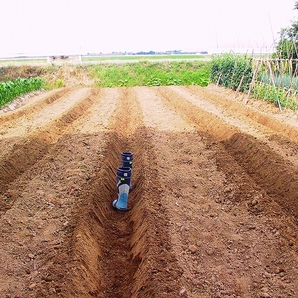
[213, 207]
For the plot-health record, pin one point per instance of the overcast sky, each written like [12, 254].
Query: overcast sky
[48, 27]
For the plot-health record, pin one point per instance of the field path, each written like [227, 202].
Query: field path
[213, 209]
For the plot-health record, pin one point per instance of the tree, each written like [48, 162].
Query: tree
[288, 43]
[287, 47]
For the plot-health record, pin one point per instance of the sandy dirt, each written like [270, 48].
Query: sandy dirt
[213, 206]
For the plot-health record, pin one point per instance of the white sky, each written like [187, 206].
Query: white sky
[48, 27]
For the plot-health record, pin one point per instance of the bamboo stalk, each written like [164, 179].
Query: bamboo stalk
[218, 80]
[239, 86]
[273, 83]
[252, 83]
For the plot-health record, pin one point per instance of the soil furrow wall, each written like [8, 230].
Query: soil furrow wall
[268, 169]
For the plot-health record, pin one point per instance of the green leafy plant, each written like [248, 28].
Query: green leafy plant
[232, 71]
[12, 89]
[60, 83]
[280, 80]
[275, 95]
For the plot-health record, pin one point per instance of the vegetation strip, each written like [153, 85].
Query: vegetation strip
[151, 74]
[143, 57]
[270, 79]
[12, 89]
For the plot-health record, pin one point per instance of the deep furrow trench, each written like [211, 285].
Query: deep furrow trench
[118, 263]
[277, 176]
[120, 254]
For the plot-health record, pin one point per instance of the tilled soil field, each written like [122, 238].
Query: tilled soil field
[213, 206]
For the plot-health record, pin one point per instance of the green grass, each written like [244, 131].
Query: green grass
[234, 71]
[283, 90]
[143, 57]
[147, 73]
[229, 70]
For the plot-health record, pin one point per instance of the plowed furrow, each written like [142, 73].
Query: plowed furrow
[239, 109]
[214, 206]
[28, 150]
[278, 138]
[274, 174]
[97, 118]
[268, 169]
[203, 120]
[204, 219]
[36, 104]
[34, 122]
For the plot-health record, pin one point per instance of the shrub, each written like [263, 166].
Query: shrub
[228, 70]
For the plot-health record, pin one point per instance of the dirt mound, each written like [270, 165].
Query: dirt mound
[213, 209]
